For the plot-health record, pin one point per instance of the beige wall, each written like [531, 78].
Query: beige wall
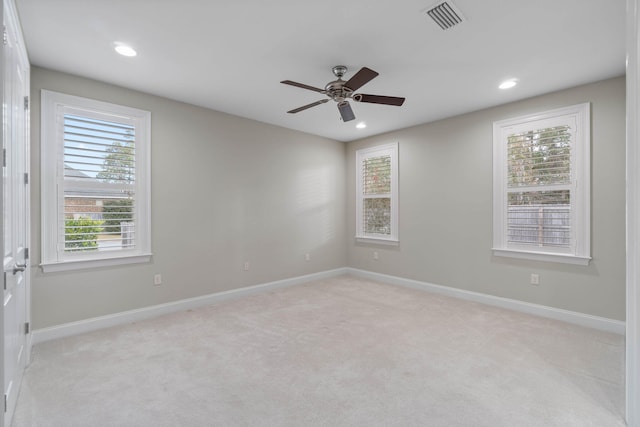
[224, 190]
[446, 208]
[269, 195]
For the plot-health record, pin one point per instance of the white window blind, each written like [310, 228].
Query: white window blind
[99, 185]
[377, 195]
[539, 180]
[377, 192]
[541, 185]
[95, 176]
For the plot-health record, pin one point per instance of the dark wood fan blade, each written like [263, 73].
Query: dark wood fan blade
[379, 99]
[304, 107]
[302, 85]
[362, 77]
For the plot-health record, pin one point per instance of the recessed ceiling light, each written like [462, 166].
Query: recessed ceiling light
[125, 50]
[361, 125]
[508, 84]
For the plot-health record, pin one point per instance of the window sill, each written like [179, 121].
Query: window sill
[542, 256]
[93, 263]
[377, 241]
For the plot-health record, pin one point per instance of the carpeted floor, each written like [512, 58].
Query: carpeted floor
[339, 352]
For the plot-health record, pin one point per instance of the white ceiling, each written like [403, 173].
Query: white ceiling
[230, 55]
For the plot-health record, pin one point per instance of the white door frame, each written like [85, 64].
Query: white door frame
[2, 227]
[633, 218]
[15, 79]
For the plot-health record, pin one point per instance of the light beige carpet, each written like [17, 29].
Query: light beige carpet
[338, 352]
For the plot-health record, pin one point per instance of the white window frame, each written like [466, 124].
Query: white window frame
[578, 117]
[362, 154]
[54, 106]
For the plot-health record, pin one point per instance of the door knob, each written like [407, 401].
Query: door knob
[19, 267]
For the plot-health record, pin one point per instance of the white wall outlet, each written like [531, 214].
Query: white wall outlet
[157, 279]
[246, 266]
[375, 255]
[535, 279]
[307, 257]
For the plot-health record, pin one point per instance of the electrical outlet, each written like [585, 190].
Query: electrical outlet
[246, 266]
[307, 257]
[375, 256]
[535, 279]
[157, 279]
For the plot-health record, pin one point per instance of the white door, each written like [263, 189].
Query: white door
[15, 207]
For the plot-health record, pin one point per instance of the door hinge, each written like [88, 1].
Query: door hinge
[26, 102]
[4, 157]
[5, 280]
[5, 403]
[26, 328]
[26, 254]
[4, 35]
[26, 178]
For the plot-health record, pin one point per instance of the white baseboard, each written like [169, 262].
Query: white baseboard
[125, 317]
[88, 325]
[595, 322]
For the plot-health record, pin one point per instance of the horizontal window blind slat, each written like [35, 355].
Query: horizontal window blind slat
[538, 164]
[535, 139]
[89, 122]
[89, 148]
[539, 173]
[535, 188]
[549, 197]
[544, 133]
[541, 159]
[95, 140]
[81, 188]
[86, 155]
[107, 162]
[74, 166]
[85, 172]
[552, 143]
[100, 127]
[98, 216]
[520, 150]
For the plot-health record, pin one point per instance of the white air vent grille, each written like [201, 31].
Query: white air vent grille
[445, 14]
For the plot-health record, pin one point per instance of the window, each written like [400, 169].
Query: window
[95, 183]
[541, 186]
[377, 193]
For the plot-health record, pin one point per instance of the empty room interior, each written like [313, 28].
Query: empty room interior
[338, 213]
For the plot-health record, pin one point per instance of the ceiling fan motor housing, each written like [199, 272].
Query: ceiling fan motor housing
[337, 91]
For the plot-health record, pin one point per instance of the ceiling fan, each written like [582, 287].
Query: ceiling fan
[341, 91]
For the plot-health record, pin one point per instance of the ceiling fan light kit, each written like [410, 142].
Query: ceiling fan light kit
[341, 91]
[345, 111]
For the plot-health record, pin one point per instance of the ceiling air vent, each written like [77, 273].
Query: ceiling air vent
[445, 14]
